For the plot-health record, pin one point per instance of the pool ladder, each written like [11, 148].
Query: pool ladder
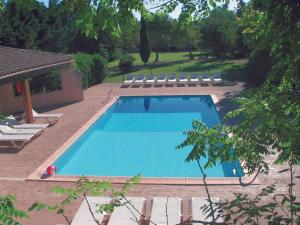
[115, 94]
[111, 93]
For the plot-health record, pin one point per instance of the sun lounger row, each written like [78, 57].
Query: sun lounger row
[164, 210]
[19, 134]
[172, 79]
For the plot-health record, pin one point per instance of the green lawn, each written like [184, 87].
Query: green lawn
[179, 62]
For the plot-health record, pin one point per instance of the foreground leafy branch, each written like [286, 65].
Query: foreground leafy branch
[215, 145]
[9, 214]
[85, 187]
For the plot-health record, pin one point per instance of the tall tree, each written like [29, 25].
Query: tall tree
[129, 36]
[144, 42]
[220, 31]
[189, 36]
[160, 27]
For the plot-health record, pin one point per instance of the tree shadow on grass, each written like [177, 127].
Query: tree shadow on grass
[116, 72]
[236, 73]
[232, 72]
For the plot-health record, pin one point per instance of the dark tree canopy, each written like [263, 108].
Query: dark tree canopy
[144, 42]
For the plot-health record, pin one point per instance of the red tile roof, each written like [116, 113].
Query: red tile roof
[14, 61]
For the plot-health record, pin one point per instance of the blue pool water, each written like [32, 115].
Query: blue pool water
[138, 135]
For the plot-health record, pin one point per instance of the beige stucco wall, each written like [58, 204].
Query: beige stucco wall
[72, 91]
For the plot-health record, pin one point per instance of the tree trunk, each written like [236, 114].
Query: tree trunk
[191, 54]
[124, 47]
[157, 56]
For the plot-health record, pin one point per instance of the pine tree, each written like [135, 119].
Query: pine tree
[144, 42]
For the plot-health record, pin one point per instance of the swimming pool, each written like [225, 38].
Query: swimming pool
[138, 135]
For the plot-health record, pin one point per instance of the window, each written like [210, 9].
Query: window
[42, 84]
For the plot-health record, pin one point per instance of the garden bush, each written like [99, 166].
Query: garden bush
[93, 68]
[126, 63]
[98, 69]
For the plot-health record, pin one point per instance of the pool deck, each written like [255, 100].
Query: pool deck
[17, 166]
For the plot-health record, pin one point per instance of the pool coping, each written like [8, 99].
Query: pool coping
[39, 173]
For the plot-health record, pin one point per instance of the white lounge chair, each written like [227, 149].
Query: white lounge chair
[183, 79]
[139, 80]
[161, 79]
[129, 79]
[151, 79]
[13, 122]
[166, 210]
[13, 139]
[172, 78]
[194, 78]
[200, 210]
[205, 79]
[83, 215]
[123, 216]
[217, 79]
[50, 118]
[5, 129]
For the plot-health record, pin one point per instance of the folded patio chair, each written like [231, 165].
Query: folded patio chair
[205, 79]
[129, 79]
[124, 216]
[166, 210]
[217, 78]
[83, 215]
[50, 118]
[161, 79]
[194, 78]
[150, 79]
[13, 122]
[172, 78]
[140, 79]
[5, 129]
[200, 210]
[183, 78]
[14, 138]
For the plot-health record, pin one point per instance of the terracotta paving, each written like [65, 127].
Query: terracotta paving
[16, 166]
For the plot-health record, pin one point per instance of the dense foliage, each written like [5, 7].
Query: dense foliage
[93, 68]
[47, 83]
[271, 114]
[52, 28]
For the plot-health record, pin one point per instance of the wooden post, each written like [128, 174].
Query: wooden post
[27, 101]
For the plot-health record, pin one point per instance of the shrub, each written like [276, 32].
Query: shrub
[93, 68]
[126, 63]
[98, 69]
[83, 64]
